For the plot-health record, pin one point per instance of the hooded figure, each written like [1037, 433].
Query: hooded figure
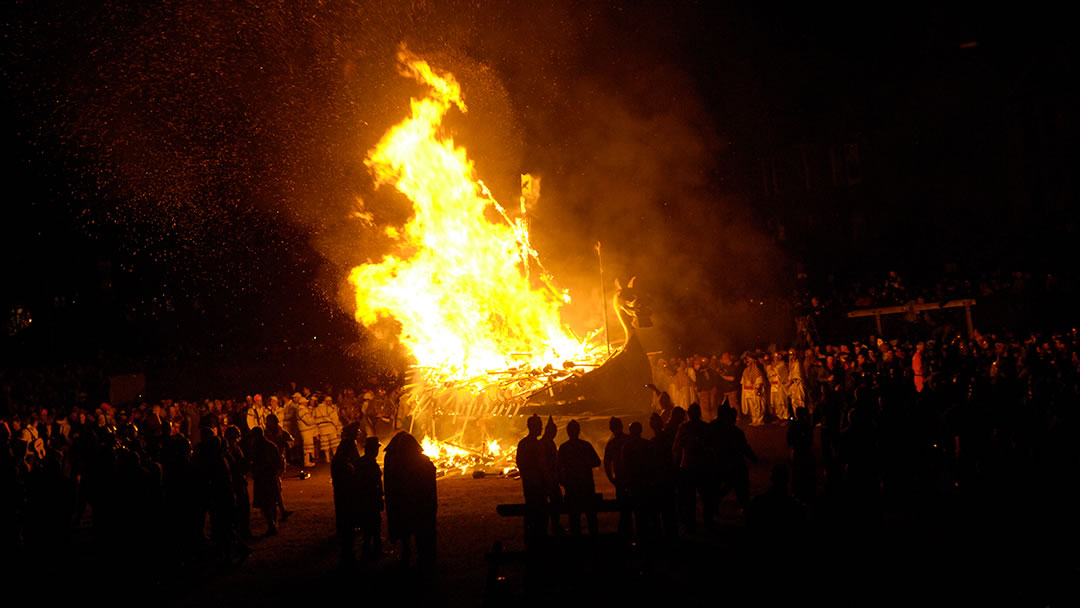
[411, 497]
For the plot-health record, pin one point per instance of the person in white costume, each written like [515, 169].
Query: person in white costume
[257, 413]
[796, 387]
[329, 426]
[305, 423]
[753, 391]
[778, 377]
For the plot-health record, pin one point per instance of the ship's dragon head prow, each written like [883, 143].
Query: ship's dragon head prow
[632, 306]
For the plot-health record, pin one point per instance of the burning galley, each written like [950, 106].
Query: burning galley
[477, 310]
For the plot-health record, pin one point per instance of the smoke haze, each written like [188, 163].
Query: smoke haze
[229, 141]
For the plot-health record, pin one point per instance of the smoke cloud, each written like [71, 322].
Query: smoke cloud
[230, 139]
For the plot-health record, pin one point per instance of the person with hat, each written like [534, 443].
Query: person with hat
[257, 412]
[328, 426]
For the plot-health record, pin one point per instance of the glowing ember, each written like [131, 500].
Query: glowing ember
[449, 458]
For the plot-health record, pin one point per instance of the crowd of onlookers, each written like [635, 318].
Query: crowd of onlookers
[144, 481]
[894, 289]
[899, 419]
[898, 430]
[876, 430]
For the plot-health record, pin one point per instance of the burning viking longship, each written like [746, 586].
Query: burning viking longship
[477, 310]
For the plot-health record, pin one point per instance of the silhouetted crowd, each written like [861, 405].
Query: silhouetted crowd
[893, 288]
[173, 484]
[657, 481]
[896, 429]
[407, 489]
[985, 426]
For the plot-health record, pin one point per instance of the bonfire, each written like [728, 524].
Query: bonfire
[477, 310]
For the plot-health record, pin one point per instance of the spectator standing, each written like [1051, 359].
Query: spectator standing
[576, 460]
[411, 498]
[328, 426]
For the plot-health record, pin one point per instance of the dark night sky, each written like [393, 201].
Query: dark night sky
[183, 174]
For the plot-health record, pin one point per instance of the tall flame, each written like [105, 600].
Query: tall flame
[459, 282]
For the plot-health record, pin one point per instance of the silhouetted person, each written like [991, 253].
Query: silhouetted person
[411, 498]
[551, 474]
[666, 473]
[859, 458]
[371, 499]
[136, 492]
[266, 469]
[345, 475]
[278, 436]
[692, 452]
[532, 464]
[10, 494]
[239, 468]
[776, 513]
[640, 472]
[50, 502]
[613, 470]
[678, 416]
[576, 461]
[732, 451]
[800, 440]
[182, 509]
[218, 497]
[832, 418]
[665, 404]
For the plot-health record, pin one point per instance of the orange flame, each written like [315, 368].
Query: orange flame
[458, 283]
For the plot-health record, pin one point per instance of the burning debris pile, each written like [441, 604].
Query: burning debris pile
[476, 308]
[450, 458]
